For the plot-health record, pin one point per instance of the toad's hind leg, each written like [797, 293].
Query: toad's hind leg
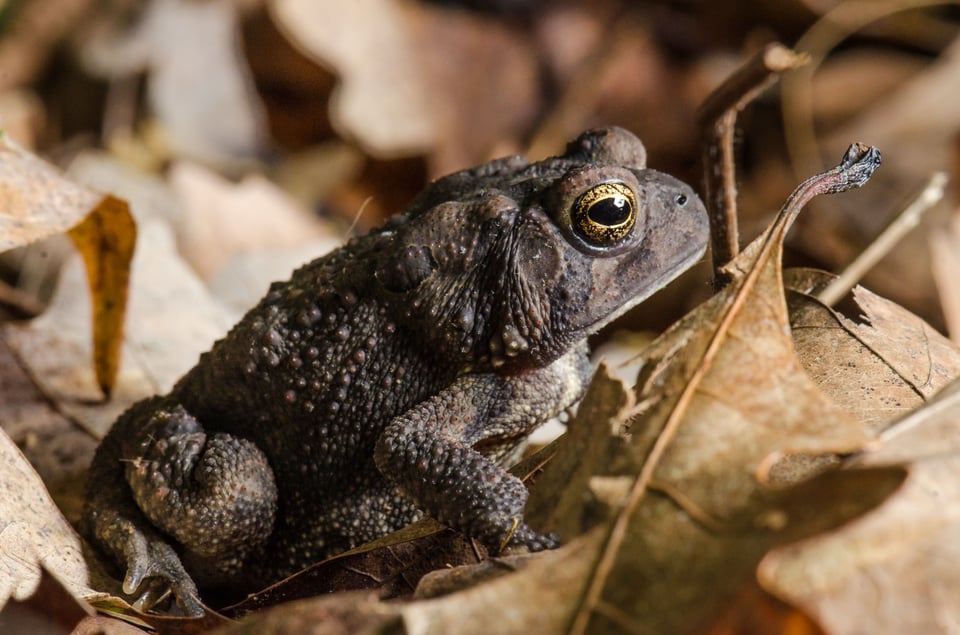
[213, 492]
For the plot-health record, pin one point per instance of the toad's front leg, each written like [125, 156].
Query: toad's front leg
[428, 452]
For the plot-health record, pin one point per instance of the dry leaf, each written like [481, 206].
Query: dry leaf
[537, 599]
[383, 100]
[221, 219]
[50, 609]
[36, 201]
[58, 450]
[484, 84]
[540, 594]
[340, 614]
[457, 86]
[557, 497]
[897, 570]
[730, 396]
[102, 625]
[879, 367]
[105, 240]
[197, 83]
[33, 534]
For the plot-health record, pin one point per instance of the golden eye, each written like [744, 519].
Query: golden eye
[605, 214]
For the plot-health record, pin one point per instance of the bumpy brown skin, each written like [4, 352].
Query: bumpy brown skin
[387, 379]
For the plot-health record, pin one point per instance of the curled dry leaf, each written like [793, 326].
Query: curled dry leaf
[901, 560]
[38, 201]
[163, 338]
[33, 533]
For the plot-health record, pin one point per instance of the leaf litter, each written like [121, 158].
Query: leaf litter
[719, 496]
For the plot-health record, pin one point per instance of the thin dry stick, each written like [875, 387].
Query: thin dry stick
[21, 304]
[718, 118]
[854, 170]
[882, 244]
[945, 263]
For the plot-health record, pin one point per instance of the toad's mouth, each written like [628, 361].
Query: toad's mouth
[666, 276]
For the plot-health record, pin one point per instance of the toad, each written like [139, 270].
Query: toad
[392, 377]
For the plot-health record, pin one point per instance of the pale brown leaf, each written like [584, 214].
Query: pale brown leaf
[878, 367]
[221, 220]
[383, 100]
[36, 201]
[556, 580]
[33, 534]
[415, 78]
[198, 84]
[896, 569]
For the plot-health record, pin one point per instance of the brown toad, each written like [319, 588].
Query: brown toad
[392, 377]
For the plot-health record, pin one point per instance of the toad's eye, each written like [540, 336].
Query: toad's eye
[605, 214]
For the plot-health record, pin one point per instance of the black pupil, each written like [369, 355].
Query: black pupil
[610, 211]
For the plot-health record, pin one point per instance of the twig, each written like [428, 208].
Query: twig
[718, 117]
[945, 264]
[21, 305]
[882, 244]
